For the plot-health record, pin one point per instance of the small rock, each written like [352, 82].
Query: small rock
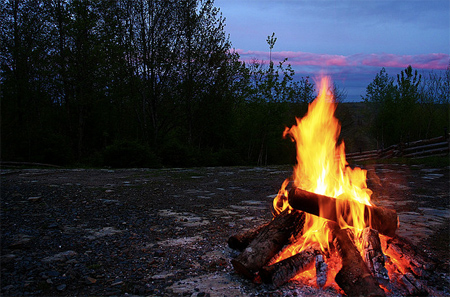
[61, 287]
[21, 241]
[35, 199]
[60, 257]
[7, 288]
[90, 280]
[158, 253]
[52, 226]
[117, 283]
[9, 258]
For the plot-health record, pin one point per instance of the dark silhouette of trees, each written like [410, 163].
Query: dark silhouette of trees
[380, 95]
[156, 82]
[409, 108]
[79, 76]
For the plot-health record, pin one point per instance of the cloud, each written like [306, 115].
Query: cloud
[353, 72]
[438, 61]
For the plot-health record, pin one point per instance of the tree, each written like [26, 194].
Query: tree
[339, 95]
[207, 58]
[271, 40]
[444, 89]
[381, 89]
[407, 86]
[273, 99]
[26, 78]
[78, 77]
[407, 98]
[410, 109]
[380, 97]
[433, 99]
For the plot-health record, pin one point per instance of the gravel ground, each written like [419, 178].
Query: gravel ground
[163, 232]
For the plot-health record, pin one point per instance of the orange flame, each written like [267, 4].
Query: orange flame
[322, 168]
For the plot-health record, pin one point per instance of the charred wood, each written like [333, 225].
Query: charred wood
[281, 272]
[412, 260]
[373, 255]
[415, 287]
[354, 277]
[321, 270]
[268, 242]
[382, 219]
[242, 240]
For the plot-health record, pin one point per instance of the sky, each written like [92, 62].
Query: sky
[349, 40]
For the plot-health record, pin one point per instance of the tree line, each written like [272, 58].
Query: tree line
[140, 83]
[408, 107]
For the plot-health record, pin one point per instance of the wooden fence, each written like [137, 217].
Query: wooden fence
[438, 146]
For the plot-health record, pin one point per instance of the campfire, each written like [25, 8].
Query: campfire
[326, 231]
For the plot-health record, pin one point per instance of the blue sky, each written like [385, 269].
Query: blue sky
[350, 40]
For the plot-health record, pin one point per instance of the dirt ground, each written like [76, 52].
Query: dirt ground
[163, 232]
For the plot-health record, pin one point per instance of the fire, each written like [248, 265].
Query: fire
[322, 168]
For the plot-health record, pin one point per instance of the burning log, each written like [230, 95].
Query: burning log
[413, 261]
[382, 219]
[373, 255]
[268, 242]
[242, 240]
[410, 264]
[354, 277]
[281, 272]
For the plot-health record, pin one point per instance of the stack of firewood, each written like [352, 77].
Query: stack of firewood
[362, 272]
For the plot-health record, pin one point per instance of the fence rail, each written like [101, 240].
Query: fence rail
[438, 146]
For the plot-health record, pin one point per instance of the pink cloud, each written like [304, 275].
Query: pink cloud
[436, 61]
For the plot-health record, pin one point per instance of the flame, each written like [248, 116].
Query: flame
[322, 168]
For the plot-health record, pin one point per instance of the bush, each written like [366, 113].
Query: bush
[126, 154]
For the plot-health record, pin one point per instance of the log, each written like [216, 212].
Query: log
[282, 271]
[267, 243]
[415, 287]
[413, 261]
[382, 219]
[354, 277]
[242, 240]
[373, 255]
